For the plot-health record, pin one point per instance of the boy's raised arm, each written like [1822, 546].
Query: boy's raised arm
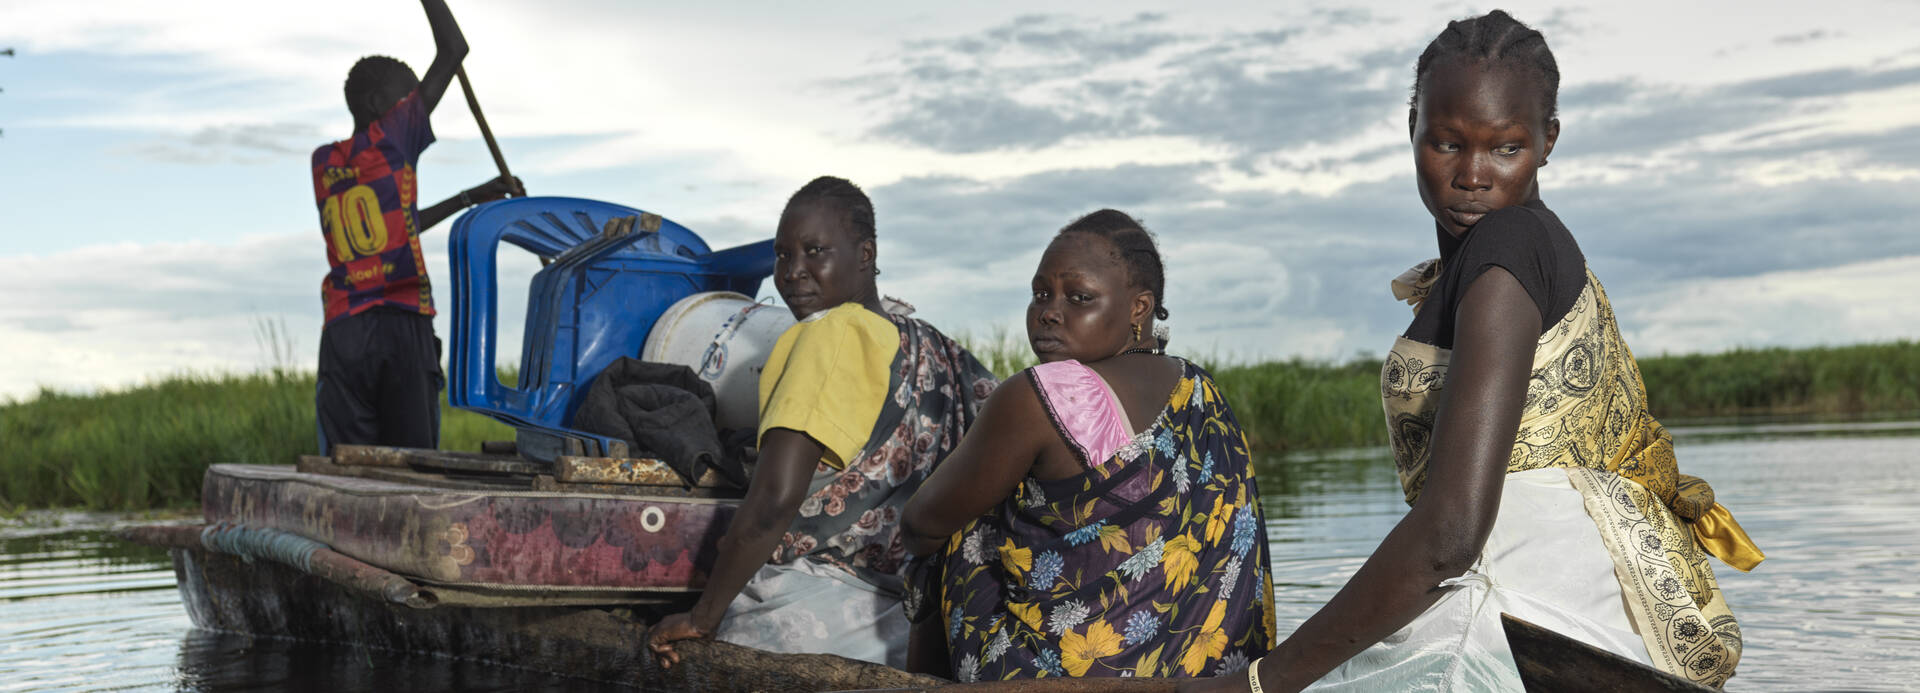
[450, 47]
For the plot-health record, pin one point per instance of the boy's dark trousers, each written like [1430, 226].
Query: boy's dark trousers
[380, 381]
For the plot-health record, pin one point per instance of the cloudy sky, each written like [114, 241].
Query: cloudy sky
[1740, 174]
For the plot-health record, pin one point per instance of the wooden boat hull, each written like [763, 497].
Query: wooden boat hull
[263, 598]
[563, 582]
[474, 558]
[1549, 661]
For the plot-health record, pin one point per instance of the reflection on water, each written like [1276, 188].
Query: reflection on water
[1834, 606]
[210, 661]
[82, 611]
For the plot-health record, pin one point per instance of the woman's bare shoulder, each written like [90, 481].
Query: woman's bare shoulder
[1014, 396]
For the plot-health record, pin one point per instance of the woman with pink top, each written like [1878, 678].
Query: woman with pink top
[1101, 516]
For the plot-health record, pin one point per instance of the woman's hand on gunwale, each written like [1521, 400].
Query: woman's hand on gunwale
[672, 628]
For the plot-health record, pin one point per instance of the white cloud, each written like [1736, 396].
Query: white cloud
[1860, 302]
[116, 314]
[110, 316]
[747, 87]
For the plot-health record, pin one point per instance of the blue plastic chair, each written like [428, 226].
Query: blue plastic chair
[595, 301]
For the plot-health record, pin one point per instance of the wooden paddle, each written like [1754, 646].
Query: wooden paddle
[485, 132]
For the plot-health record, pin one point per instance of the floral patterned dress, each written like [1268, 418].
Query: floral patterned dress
[1152, 562]
[833, 584]
[851, 516]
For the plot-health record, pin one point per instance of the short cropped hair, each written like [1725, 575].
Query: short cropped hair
[370, 74]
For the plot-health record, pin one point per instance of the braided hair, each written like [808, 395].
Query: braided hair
[1136, 250]
[1496, 38]
[839, 195]
[372, 73]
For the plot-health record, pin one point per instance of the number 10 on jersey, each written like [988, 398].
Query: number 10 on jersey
[354, 222]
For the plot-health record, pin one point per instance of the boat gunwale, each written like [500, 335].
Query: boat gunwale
[289, 474]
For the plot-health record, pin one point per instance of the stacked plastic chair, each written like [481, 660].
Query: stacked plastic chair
[603, 287]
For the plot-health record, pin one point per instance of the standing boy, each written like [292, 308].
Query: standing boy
[380, 374]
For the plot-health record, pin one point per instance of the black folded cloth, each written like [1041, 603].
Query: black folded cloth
[664, 409]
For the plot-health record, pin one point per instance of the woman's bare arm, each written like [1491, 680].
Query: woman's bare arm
[1496, 329]
[788, 459]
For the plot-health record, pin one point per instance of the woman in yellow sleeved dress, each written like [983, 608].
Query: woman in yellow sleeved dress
[858, 402]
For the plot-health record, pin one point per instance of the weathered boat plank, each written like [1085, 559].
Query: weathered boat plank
[1549, 661]
[499, 447]
[314, 464]
[369, 456]
[549, 484]
[641, 471]
[402, 458]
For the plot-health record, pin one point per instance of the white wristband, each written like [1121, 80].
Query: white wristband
[1253, 675]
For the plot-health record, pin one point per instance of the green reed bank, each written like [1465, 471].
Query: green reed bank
[145, 447]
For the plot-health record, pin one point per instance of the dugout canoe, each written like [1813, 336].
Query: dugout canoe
[557, 568]
[594, 642]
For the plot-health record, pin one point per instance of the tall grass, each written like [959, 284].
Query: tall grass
[1304, 405]
[1003, 351]
[147, 446]
[1846, 380]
